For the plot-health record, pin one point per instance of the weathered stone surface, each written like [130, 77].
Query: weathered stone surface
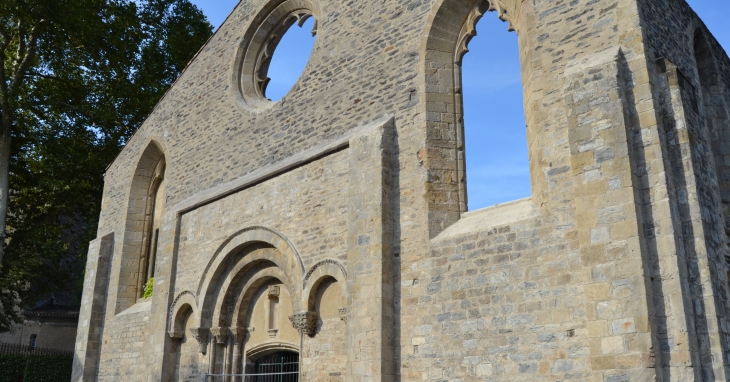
[348, 196]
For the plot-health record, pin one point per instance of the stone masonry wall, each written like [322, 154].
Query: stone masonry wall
[125, 343]
[597, 277]
[60, 335]
[324, 355]
[691, 122]
[298, 199]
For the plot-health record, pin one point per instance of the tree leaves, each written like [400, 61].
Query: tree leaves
[99, 68]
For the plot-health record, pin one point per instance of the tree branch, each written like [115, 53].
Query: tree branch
[21, 50]
[46, 76]
[27, 59]
[4, 34]
[3, 75]
[5, 114]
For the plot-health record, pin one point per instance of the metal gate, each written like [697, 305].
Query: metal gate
[277, 367]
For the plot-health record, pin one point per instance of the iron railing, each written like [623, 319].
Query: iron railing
[6, 348]
[277, 368]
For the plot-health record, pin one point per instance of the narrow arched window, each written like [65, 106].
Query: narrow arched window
[458, 102]
[495, 137]
[145, 209]
[153, 216]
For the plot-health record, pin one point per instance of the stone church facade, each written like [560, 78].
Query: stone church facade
[333, 227]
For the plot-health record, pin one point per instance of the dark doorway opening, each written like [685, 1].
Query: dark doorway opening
[282, 366]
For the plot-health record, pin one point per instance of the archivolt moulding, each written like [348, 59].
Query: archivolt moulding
[253, 235]
[324, 264]
[270, 347]
[235, 307]
[320, 272]
[175, 330]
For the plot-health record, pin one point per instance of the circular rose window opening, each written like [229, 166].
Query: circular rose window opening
[273, 54]
[289, 59]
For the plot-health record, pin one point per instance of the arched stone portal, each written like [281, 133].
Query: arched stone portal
[248, 304]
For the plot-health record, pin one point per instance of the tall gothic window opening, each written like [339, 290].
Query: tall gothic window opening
[494, 131]
[153, 217]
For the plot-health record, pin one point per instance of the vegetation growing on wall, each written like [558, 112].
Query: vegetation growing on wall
[148, 288]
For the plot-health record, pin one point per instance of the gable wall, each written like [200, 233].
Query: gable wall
[562, 292]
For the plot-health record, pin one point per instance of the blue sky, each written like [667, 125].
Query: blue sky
[496, 146]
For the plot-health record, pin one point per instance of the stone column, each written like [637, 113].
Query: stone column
[306, 324]
[221, 337]
[371, 323]
[227, 359]
[238, 335]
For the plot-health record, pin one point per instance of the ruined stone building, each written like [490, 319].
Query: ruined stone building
[330, 230]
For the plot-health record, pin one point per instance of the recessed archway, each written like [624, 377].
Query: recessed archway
[139, 242]
[232, 254]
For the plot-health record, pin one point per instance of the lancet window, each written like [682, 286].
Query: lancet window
[153, 216]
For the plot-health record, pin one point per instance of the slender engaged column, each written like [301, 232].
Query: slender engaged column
[211, 358]
[304, 323]
[221, 337]
[238, 335]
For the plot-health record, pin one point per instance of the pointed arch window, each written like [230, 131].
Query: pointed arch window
[489, 113]
[154, 210]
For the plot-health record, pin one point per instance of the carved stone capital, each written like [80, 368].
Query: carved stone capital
[201, 335]
[238, 334]
[343, 314]
[176, 334]
[220, 334]
[304, 322]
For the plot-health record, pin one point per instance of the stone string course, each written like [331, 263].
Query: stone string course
[614, 270]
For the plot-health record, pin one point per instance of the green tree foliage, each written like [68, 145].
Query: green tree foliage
[35, 368]
[95, 70]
